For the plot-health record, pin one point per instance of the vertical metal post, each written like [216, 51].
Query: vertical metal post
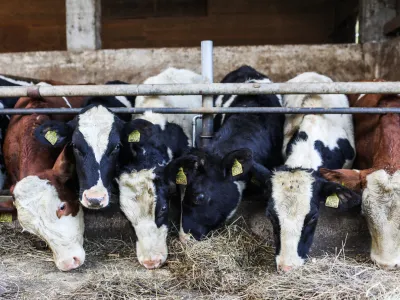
[207, 72]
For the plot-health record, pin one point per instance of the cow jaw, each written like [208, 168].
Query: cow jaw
[138, 202]
[291, 193]
[96, 125]
[37, 202]
[381, 208]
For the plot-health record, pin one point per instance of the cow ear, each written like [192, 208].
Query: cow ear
[182, 170]
[237, 164]
[348, 178]
[54, 133]
[64, 167]
[339, 196]
[260, 175]
[137, 132]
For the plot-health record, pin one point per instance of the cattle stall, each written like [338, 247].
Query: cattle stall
[342, 62]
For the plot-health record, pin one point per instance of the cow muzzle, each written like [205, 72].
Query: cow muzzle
[95, 199]
[70, 261]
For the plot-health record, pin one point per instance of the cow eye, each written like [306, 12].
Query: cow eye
[115, 150]
[62, 206]
[199, 199]
[79, 152]
[313, 219]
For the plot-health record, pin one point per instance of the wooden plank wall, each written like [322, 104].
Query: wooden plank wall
[27, 25]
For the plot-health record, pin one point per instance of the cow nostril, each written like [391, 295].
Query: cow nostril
[76, 261]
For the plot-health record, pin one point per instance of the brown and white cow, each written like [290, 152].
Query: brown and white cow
[378, 159]
[42, 183]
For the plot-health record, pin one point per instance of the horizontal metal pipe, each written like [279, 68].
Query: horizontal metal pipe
[205, 89]
[213, 110]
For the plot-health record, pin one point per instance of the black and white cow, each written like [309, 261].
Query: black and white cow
[212, 180]
[95, 136]
[296, 189]
[150, 142]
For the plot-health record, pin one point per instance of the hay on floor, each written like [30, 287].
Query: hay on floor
[230, 264]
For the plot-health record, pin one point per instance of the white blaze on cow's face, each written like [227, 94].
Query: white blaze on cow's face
[381, 208]
[37, 202]
[291, 195]
[138, 200]
[95, 125]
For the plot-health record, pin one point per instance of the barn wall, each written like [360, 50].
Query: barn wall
[389, 60]
[343, 62]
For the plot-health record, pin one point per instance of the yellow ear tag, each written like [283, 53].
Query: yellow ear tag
[181, 177]
[237, 168]
[134, 137]
[332, 201]
[5, 218]
[51, 136]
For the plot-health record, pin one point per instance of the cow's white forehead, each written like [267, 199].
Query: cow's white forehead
[138, 195]
[37, 202]
[95, 126]
[291, 192]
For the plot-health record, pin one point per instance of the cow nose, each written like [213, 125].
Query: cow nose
[71, 264]
[284, 269]
[152, 263]
[95, 201]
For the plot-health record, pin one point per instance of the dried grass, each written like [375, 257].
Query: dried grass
[231, 264]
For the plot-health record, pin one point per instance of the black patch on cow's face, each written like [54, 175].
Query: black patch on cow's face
[297, 137]
[162, 207]
[335, 159]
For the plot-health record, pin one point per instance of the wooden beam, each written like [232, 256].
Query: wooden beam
[83, 24]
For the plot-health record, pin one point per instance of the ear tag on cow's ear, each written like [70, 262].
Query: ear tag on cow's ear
[51, 136]
[134, 137]
[332, 201]
[237, 168]
[181, 177]
[6, 218]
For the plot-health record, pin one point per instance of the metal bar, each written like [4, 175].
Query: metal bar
[207, 72]
[212, 110]
[194, 124]
[206, 89]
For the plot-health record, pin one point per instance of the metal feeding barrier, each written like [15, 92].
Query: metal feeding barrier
[207, 90]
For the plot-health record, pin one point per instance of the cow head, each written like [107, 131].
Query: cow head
[381, 208]
[143, 190]
[211, 188]
[294, 197]
[95, 137]
[48, 207]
